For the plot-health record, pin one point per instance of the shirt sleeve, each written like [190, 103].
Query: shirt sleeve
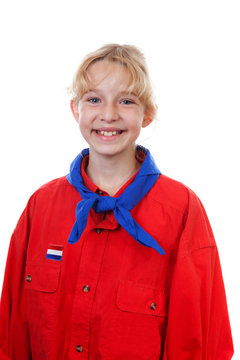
[14, 339]
[198, 322]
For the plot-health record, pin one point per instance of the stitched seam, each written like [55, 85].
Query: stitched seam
[189, 253]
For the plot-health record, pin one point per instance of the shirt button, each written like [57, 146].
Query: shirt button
[153, 306]
[99, 192]
[86, 288]
[79, 348]
[28, 278]
[98, 231]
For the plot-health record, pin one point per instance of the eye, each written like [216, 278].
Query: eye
[93, 100]
[127, 102]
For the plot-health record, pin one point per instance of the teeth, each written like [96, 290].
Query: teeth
[109, 133]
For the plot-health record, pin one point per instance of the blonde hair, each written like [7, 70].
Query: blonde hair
[130, 57]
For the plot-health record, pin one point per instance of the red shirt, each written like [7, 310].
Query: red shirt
[110, 297]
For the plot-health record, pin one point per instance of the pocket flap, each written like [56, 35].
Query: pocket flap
[140, 298]
[43, 278]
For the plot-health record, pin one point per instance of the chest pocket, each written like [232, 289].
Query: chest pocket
[140, 298]
[41, 305]
[43, 278]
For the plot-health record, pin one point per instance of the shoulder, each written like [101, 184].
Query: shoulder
[172, 193]
[53, 192]
[176, 198]
[55, 185]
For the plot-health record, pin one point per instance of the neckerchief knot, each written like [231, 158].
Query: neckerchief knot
[121, 206]
[105, 203]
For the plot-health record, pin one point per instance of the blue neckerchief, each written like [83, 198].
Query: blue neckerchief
[121, 206]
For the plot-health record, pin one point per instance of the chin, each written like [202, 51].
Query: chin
[111, 151]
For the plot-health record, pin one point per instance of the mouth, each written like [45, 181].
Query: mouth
[109, 133]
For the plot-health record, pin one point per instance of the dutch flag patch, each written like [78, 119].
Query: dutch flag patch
[54, 252]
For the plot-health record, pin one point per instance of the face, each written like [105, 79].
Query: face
[110, 119]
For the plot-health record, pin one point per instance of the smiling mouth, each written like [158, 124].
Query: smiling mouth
[109, 133]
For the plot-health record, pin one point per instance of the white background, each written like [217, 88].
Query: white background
[192, 49]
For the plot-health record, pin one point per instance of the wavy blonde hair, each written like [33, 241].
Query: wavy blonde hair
[130, 57]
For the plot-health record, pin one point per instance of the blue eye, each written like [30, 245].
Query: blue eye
[94, 100]
[127, 102]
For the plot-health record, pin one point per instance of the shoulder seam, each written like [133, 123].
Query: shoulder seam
[159, 202]
[189, 253]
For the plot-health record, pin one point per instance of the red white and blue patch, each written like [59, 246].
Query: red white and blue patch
[54, 252]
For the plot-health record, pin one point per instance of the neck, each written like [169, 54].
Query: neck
[111, 173]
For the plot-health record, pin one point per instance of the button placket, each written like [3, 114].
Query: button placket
[87, 278]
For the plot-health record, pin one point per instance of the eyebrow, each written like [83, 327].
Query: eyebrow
[121, 93]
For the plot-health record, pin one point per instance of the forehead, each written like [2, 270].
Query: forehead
[108, 73]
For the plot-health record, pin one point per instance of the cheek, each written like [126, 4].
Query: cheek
[83, 119]
[87, 114]
[136, 124]
[85, 124]
[82, 124]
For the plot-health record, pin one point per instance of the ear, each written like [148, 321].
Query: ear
[74, 109]
[146, 121]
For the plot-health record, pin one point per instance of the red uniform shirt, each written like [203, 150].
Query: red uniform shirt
[107, 296]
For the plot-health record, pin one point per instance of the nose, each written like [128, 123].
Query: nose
[109, 113]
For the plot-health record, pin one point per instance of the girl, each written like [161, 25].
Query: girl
[115, 260]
